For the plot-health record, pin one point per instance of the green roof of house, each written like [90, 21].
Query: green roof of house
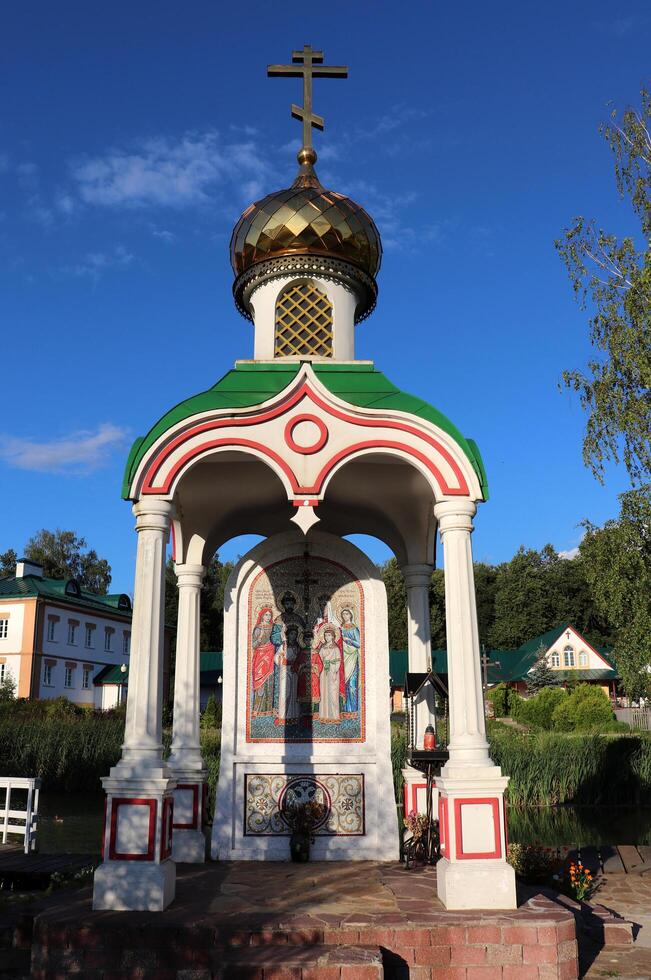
[63, 590]
[528, 654]
[251, 384]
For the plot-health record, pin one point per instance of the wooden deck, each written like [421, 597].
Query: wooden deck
[35, 869]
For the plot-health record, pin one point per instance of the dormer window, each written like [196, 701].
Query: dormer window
[72, 588]
[568, 656]
[303, 323]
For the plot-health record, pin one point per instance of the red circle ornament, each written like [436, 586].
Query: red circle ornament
[313, 447]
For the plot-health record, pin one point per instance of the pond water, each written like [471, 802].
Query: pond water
[73, 822]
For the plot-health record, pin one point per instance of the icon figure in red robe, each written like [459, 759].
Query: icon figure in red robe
[309, 666]
[262, 664]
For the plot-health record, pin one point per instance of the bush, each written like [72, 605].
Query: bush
[499, 698]
[587, 708]
[539, 710]
[211, 717]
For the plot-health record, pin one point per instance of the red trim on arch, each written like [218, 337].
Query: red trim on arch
[194, 825]
[316, 446]
[114, 854]
[279, 409]
[462, 855]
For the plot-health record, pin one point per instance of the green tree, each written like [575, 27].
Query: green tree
[62, 555]
[618, 565]
[612, 277]
[7, 689]
[211, 602]
[8, 561]
[541, 675]
[396, 604]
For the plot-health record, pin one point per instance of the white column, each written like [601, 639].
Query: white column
[467, 737]
[137, 872]
[417, 581]
[143, 747]
[185, 762]
[473, 872]
[419, 647]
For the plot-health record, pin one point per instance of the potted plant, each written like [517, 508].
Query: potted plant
[303, 818]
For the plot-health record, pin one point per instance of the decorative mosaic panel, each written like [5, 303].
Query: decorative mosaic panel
[306, 654]
[268, 796]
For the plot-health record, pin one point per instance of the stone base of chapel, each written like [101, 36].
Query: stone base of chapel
[319, 920]
[129, 885]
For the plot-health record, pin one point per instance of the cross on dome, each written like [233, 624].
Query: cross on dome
[306, 64]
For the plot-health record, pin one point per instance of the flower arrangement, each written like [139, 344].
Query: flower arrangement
[416, 824]
[580, 880]
[303, 818]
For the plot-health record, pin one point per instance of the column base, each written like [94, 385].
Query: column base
[476, 885]
[122, 886]
[189, 847]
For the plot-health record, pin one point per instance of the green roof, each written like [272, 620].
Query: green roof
[63, 590]
[251, 384]
[112, 674]
[527, 656]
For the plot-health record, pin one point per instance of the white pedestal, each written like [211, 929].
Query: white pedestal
[125, 886]
[473, 872]
[189, 841]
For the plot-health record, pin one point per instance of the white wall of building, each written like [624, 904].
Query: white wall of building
[59, 652]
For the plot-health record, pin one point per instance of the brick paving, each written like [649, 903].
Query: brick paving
[321, 921]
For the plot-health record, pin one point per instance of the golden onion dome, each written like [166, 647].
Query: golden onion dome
[306, 228]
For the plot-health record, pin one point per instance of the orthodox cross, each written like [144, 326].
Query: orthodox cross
[306, 581]
[307, 64]
[486, 662]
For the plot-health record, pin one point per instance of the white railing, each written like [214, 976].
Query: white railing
[28, 817]
[638, 718]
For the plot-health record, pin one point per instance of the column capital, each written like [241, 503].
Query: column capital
[189, 575]
[417, 575]
[455, 514]
[153, 513]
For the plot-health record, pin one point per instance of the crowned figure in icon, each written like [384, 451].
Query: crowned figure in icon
[333, 685]
[351, 643]
[310, 668]
[262, 664]
[287, 664]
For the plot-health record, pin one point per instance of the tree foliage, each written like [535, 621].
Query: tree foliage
[8, 560]
[541, 675]
[211, 602]
[62, 555]
[612, 277]
[617, 558]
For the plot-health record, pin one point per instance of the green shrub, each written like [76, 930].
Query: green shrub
[499, 698]
[211, 716]
[586, 708]
[538, 710]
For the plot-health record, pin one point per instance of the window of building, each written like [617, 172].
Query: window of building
[568, 656]
[3, 673]
[67, 681]
[583, 659]
[4, 628]
[51, 628]
[47, 674]
[72, 633]
[556, 659]
[126, 643]
[89, 636]
[303, 321]
[108, 638]
[85, 677]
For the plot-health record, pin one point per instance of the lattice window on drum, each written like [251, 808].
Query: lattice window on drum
[303, 322]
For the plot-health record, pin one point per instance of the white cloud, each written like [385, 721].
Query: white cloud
[94, 264]
[165, 172]
[165, 236]
[81, 451]
[569, 554]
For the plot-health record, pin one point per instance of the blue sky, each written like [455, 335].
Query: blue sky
[133, 135]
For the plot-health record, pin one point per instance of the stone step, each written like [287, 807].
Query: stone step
[298, 962]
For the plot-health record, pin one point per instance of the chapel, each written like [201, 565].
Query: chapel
[303, 444]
